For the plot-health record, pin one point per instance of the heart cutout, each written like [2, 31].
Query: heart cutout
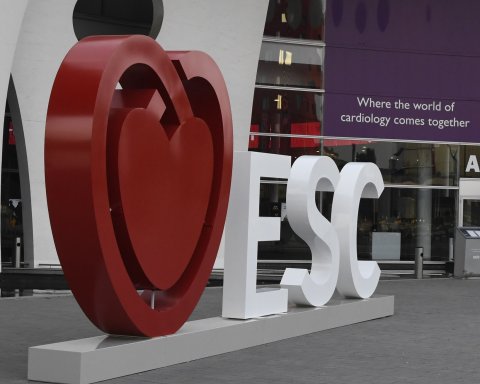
[164, 190]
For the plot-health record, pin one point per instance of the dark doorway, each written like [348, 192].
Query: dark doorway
[11, 196]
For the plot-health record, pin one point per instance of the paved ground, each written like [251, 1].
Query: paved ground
[434, 337]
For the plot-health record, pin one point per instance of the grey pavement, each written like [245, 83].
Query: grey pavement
[434, 337]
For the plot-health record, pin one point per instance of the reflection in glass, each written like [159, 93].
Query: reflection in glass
[471, 213]
[401, 163]
[286, 112]
[297, 19]
[397, 212]
[290, 246]
[290, 65]
[290, 146]
[404, 211]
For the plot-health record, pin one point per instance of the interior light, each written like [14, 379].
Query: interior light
[288, 58]
[281, 57]
[279, 101]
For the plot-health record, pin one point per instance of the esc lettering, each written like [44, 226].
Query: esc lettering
[333, 244]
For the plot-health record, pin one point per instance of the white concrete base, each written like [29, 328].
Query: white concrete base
[107, 357]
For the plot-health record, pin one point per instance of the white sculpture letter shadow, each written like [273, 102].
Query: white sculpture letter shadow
[308, 175]
[244, 230]
[357, 279]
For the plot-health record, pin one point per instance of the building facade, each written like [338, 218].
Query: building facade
[35, 37]
[387, 81]
[390, 82]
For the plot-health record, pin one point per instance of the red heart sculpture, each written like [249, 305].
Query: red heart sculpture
[137, 179]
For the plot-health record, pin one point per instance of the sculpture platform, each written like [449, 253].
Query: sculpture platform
[106, 357]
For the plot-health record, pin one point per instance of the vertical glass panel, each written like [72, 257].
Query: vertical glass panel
[290, 65]
[298, 19]
[471, 213]
[287, 112]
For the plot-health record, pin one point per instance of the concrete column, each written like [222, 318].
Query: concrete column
[424, 203]
[230, 31]
[46, 36]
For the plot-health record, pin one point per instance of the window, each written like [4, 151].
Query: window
[297, 19]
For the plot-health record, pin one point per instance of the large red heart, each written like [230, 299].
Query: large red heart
[137, 179]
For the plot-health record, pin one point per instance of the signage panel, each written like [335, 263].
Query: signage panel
[402, 70]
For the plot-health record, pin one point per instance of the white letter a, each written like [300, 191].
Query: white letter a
[472, 164]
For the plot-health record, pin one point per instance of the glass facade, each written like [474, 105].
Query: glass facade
[418, 207]
[401, 163]
[420, 201]
[424, 215]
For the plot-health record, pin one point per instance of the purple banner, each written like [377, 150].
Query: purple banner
[403, 69]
